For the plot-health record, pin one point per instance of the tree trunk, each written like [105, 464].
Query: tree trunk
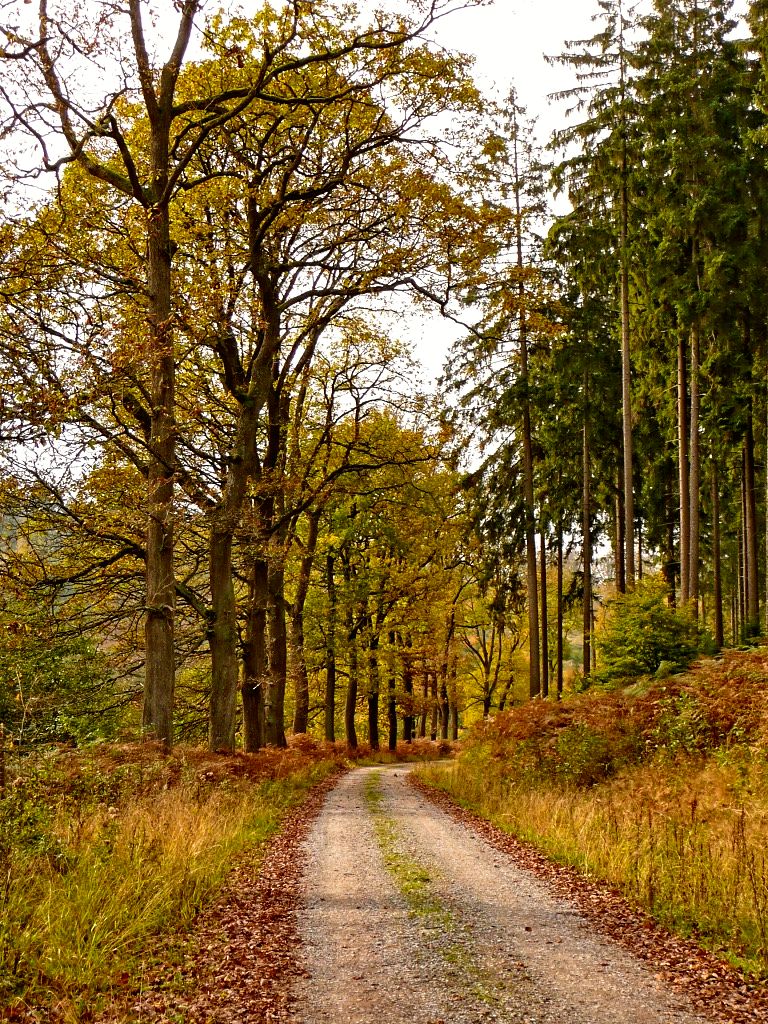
[392, 700]
[373, 693]
[620, 542]
[682, 454]
[350, 704]
[626, 393]
[734, 613]
[444, 697]
[668, 564]
[453, 702]
[694, 479]
[586, 527]
[424, 702]
[560, 609]
[330, 651]
[408, 698]
[445, 710]
[742, 609]
[300, 674]
[544, 620]
[716, 559]
[301, 678]
[434, 709]
[157, 714]
[255, 660]
[626, 360]
[506, 691]
[278, 653]
[222, 636]
[750, 535]
[534, 678]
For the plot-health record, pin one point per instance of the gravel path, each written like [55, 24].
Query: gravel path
[407, 915]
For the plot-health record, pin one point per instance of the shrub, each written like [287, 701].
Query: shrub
[641, 631]
[53, 686]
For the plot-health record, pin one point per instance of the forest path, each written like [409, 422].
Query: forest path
[408, 915]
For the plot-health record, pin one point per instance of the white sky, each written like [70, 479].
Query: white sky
[509, 39]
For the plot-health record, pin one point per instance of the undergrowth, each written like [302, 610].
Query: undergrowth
[102, 851]
[662, 792]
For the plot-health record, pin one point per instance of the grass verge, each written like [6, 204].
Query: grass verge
[684, 836]
[416, 884]
[100, 854]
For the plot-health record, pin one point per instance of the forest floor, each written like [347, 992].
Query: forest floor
[382, 904]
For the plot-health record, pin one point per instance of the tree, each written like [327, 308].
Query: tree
[693, 74]
[490, 370]
[603, 167]
[145, 141]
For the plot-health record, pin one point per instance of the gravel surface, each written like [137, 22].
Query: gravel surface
[407, 915]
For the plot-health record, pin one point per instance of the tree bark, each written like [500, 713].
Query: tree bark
[424, 702]
[669, 562]
[444, 697]
[742, 608]
[750, 535]
[626, 392]
[626, 360]
[586, 527]
[330, 651]
[350, 704]
[694, 476]
[559, 610]
[391, 699]
[534, 678]
[301, 677]
[157, 715]
[544, 620]
[255, 660]
[408, 698]
[300, 674]
[620, 542]
[373, 693]
[683, 475]
[278, 653]
[222, 636]
[453, 709]
[716, 559]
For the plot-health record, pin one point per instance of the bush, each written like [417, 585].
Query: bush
[53, 687]
[642, 631]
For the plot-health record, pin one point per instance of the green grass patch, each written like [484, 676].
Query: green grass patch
[416, 884]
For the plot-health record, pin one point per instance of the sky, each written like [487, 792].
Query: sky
[509, 40]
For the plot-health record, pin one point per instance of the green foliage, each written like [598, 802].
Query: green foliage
[584, 755]
[642, 631]
[683, 726]
[52, 687]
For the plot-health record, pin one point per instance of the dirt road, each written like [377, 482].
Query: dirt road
[409, 916]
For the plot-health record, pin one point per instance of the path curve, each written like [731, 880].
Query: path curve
[407, 915]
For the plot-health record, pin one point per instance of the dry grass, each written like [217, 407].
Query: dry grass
[100, 852]
[664, 794]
